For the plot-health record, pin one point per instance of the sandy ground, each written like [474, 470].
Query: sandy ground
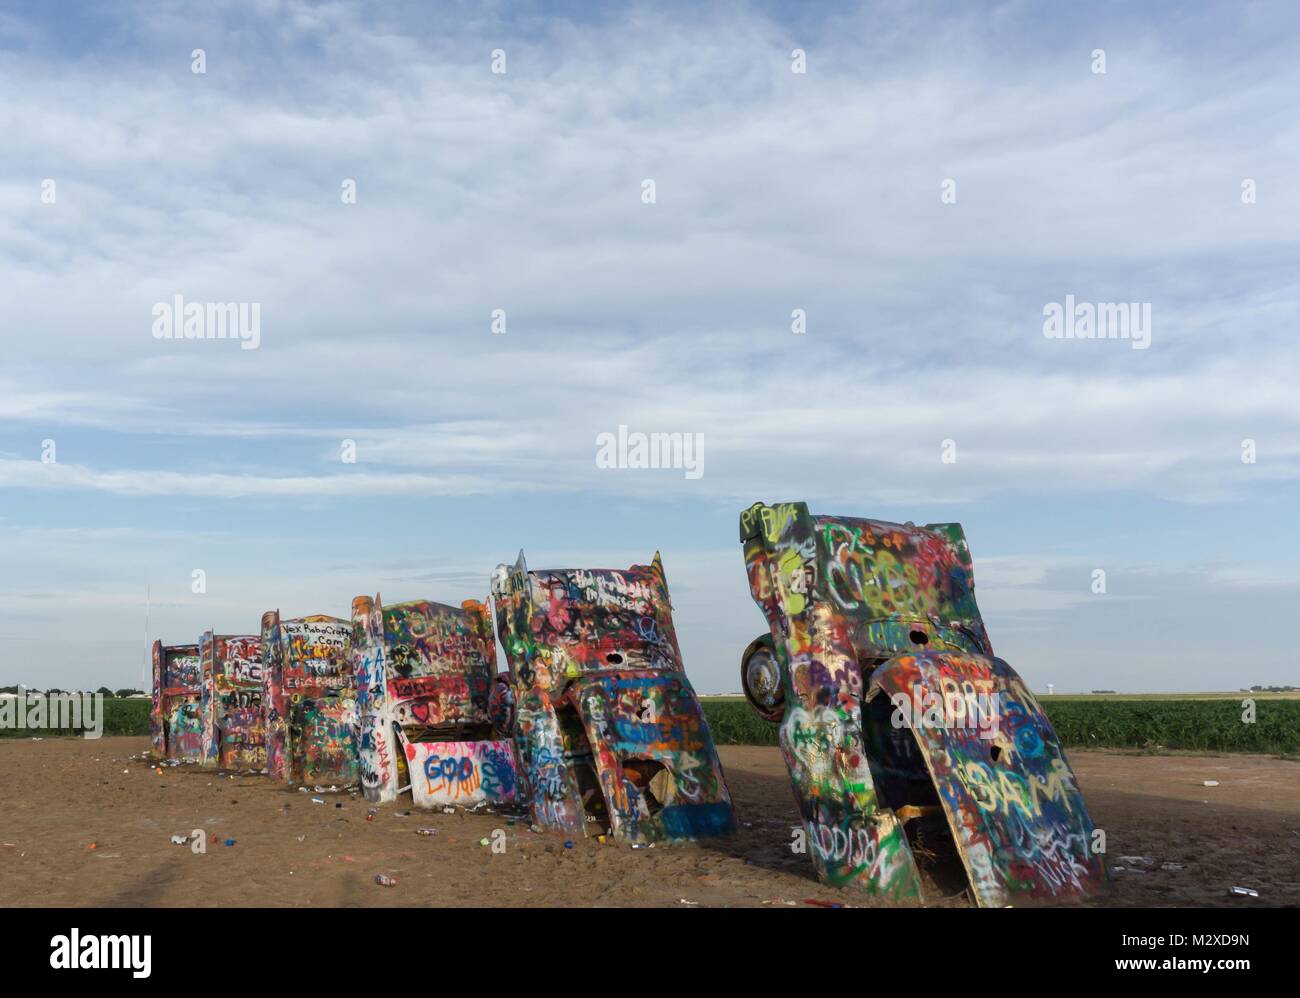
[59, 796]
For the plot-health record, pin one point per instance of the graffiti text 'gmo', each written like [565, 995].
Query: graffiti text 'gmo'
[651, 450]
[213, 320]
[1106, 320]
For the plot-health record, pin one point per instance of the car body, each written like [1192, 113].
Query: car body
[310, 701]
[901, 730]
[234, 723]
[424, 672]
[608, 731]
[176, 715]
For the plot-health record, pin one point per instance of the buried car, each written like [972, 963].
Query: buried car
[608, 731]
[310, 704]
[903, 734]
[176, 714]
[234, 731]
[424, 672]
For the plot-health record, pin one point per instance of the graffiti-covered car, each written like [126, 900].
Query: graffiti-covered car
[234, 725]
[904, 735]
[176, 713]
[608, 731]
[310, 704]
[424, 673]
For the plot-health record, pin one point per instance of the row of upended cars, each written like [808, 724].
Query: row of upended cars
[595, 729]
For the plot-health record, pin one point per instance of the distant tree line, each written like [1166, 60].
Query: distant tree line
[54, 691]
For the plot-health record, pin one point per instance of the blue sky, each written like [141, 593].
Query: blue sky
[775, 191]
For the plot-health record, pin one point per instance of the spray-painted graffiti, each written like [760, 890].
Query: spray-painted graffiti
[185, 732]
[234, 731]
[894, 716]
[423, 673]
[273, 697]
[177, 682]
[1016, 809]
[323, 740]
[606, 724]
[310, 700]
[461, 773]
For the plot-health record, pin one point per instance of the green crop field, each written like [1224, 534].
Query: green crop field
[1210, 722]
[1197, 723]
[1112, 697]
[121, 717]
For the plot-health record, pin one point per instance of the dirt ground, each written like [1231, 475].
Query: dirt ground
[58, 796]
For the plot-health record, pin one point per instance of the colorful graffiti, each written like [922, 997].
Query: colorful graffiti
[177, 682]
[423, 674]
[608, 731]
[234, 730]
[323, 740]
[185, 731]
[273, 699]
[895, 720]
[1008, 790]
[461, 773]
[310, 700]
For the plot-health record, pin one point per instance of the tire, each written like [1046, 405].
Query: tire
[760, 678]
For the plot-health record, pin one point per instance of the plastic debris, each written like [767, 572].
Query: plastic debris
[1171, 866]
[568, 843]
[230, 842]
[1244, 892]
[1210, 783]
[426, 831]
[484, 841]
[822, 904]
[684, 901]
[1137, 860]
[318, 800]
[384, 880]
[180, 840]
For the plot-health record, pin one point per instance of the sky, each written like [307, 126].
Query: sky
[934, 179]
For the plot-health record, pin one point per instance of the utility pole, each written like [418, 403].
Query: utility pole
[146, 677]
